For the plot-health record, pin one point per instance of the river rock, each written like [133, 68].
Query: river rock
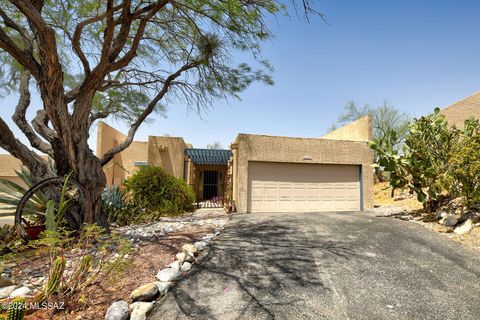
[465, 227]
[168, 274]
[117, 311]
[189, 248]
[147, 292]
[139, 310]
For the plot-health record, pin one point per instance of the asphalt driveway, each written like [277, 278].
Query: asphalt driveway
[328, 266]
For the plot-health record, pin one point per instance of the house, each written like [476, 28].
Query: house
[457, 113]
[261, 173]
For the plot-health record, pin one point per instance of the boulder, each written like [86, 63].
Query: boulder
[189, 248]
[163, 287]
[6, 291]
[139, 310]
[117, 311]
[147, 292]
[21, 292]
[201, 245]
[451, 220]
[186, 266]
[465, 227]
[168, 274]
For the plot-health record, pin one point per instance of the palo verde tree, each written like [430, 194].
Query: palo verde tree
[92, 59]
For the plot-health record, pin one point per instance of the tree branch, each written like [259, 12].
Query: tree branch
[20, 119]
[37, 166]
[148, 110]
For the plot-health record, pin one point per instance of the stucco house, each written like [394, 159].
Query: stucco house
[262, 173]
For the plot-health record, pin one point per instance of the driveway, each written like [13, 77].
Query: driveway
[328, 266]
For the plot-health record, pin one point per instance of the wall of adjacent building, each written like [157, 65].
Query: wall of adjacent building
[168, 153]
[358, 130]
[123, 163]
[457, 113]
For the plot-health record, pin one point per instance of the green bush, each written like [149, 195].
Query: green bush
[157, 192]
[437, 161]
[464, 164]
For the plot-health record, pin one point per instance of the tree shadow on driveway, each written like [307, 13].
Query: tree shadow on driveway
[258, 268]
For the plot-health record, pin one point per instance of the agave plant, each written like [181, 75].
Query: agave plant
[11, 193]
[113, 198]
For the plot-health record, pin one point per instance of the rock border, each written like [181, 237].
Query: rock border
[145, 296]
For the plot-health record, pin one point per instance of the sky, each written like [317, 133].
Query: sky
[418, 55]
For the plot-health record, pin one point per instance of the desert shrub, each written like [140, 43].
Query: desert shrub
[422, 165]
[464, 164]
[154, 190]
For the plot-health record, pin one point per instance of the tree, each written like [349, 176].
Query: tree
[389, 125]
[215, 145]
[92, 59]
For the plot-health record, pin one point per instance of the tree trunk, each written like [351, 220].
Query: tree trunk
[91, 177]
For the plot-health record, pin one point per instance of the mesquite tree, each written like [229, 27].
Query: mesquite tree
[92, 59]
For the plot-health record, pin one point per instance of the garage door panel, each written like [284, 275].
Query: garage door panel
[303, 187]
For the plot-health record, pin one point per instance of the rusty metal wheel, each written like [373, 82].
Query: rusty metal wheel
[30, 213]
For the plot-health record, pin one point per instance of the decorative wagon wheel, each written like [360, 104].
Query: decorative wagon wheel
[30, 213]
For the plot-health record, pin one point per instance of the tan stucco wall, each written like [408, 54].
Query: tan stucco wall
[123, 163]
[168, 153]
[8, 165]
[359, 130]
[457, 113]
[293, 150]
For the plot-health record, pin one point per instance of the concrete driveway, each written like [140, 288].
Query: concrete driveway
[328, 266]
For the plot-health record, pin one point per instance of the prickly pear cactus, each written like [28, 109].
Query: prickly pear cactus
[16, 309]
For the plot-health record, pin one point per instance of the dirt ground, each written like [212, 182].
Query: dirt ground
[146, 262]
[382, 197]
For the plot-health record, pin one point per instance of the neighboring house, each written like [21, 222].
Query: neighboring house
[457, 113]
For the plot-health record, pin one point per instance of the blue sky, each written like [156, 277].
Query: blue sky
[416, 54]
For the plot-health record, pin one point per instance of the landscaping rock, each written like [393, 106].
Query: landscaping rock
[147, 292]
[465, 227]
[176, 265]
[6, 291]
[181, 256]
[208, 237]
[5, 280]
[189, 248]
[168, 274]
[117, 311]
[186, 266]
[21, 292]
[163, 287]
[451, 220]
[441, 214]
[139, 310]
[201, 245]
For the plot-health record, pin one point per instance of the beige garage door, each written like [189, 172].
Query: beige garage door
[288, 187]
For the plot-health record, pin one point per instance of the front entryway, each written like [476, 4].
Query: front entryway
[210, 184]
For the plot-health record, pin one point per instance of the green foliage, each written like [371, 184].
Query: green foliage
[16, 309]
[437, 161]
[159, 193]
[389, 126]
[117, 207]
[55, 276]
[13, 192]
[464, 164]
